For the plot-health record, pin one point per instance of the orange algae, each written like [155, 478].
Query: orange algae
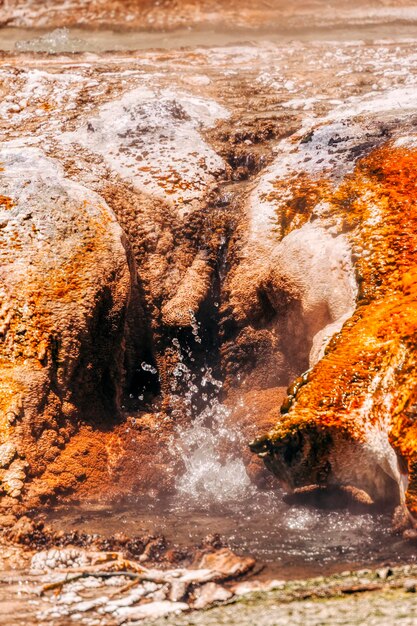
[368, 376]
[64, 283]
[6, 202]
[33, 347]
[295, 203]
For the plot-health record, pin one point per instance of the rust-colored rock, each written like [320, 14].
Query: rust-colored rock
[226, 563]
[180, 145]
[66, 284]
[352, 420]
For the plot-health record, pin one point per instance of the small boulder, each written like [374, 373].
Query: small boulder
[7, 454]
[210, 593]
[410, 585]
[226, 563]
[7, 521]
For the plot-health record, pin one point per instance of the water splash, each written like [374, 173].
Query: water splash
[58, 40]
[210, 446]
[209, 449]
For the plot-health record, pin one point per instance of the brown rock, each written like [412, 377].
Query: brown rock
[66, 287]
[22, 529]
[7, 521]
[226, 563]
[209, 594]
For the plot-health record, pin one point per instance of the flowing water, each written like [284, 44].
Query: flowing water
[214, 495]
[74, 40]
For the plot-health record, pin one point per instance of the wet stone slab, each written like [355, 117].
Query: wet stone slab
[106, 588]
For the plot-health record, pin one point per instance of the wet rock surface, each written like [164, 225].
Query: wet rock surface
[361, 416]
[66, 288]
[85, 585]
[90, 587]
[185, 231]
[220, 179]
[182, 236]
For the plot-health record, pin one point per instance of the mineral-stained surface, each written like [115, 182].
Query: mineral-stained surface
[169, 14]
[219, 211]
[350, 420]
[67, 280]
[207, 237]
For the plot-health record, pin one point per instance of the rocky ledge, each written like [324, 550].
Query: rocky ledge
[244, 210]
[349, 420]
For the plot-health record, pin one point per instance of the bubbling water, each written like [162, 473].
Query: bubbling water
[209, 450]
[214, 494]
[56, 41]
[210, 445]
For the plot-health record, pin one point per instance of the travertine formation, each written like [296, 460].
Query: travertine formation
[170, 14]
[350, 420]
[67, 281]
[224, 208]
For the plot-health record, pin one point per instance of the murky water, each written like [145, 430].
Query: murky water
[214, 495]
[74, 40]
[291, 541]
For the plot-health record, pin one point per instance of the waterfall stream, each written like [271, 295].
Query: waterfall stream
[214, 494]
[208, 444]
